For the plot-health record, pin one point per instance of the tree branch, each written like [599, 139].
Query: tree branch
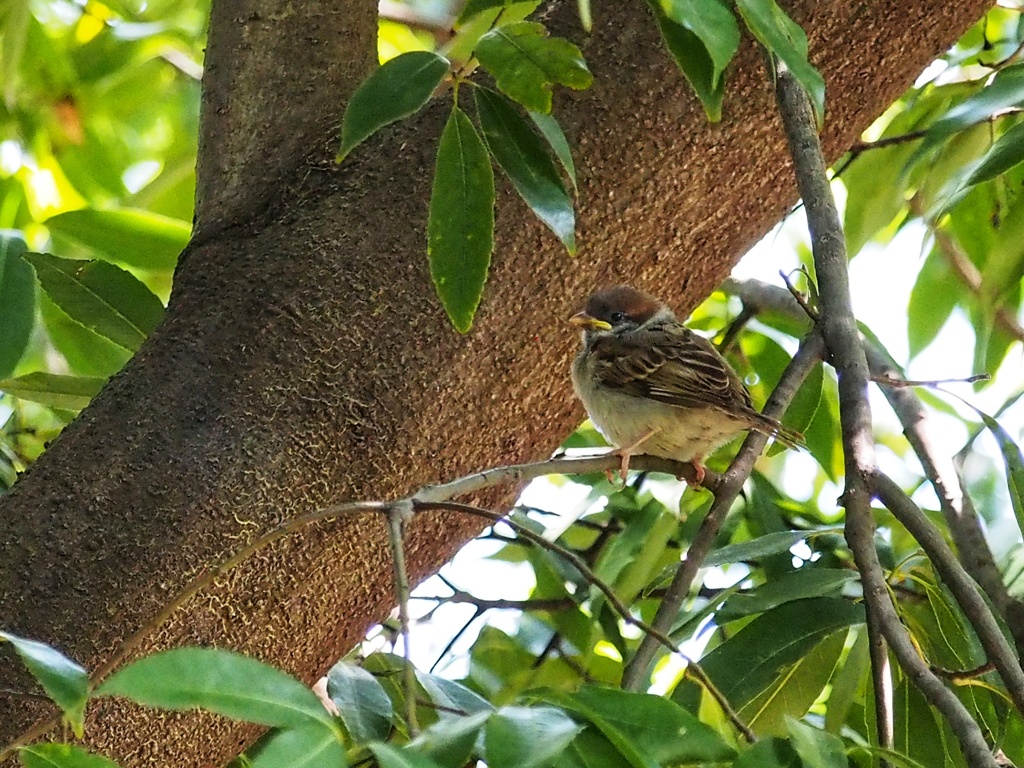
[839, 329]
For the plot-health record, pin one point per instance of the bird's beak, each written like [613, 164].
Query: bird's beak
[586, 321]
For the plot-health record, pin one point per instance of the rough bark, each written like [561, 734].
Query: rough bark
[304, 359]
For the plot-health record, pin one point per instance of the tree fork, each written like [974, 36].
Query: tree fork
[304, 360]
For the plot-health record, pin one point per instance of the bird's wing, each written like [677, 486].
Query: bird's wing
[670, 364]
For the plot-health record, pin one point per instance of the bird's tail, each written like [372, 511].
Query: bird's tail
[774, 429]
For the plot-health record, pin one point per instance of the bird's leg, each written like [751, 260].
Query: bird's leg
[628, 450]
[697, 462]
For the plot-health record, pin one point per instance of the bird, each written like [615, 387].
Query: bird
[651, 385]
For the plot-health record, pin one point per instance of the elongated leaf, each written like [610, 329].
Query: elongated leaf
[764, 546]
[894, 757]
[713, 23]
[460, 229]
[552, 131]
[473, 7]
[932, 299]
[398, 89]
[105, 299]
[693, 61]
[784, 38]
[219, 681]
[62, 756]
[1007, 152]
[452, 694]
[393, 757]
[17, 301]
[64, 681]
[70, 393]
[521, 155]
[87, 353]
[312, 746]
[817, 748]
[526, 737]
[134, 237]
[526, 64]
[770, 753]
[749, 662]
[648, 730]
[450, 741]
[1013, 459]
[361, 700]
[796, 585]
[1004, 92]
[795, 689]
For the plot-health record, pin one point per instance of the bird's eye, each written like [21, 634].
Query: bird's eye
[618, 317]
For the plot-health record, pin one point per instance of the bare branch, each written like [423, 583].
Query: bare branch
[397, 514]
[839, 329]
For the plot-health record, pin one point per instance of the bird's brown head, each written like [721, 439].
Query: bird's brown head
[618, 308]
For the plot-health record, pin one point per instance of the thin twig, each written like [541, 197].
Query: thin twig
[889, 381]
[725, 494]
[693, 668]
[966, 674]
[839, 329]
[396, 515]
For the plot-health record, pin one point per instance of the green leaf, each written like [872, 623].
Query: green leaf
[693, 61]
[1005, 153]
[17, 301]
[134, 237]
[748, 663]
[521, 155]
[817, 748]
[769, 753]
[393, 757]
[311, 746]
[847, 683]
[526, 737]
[552, 132]
[460, 229]
[219, 681]
[105, 299]
[473, 7]
[87, 353]
[936, 292]
[796, 689]
[450, 741]
[70, 393]
[764, 546]
[453, 695]
[62, 756]
[1006, 91]
[397, 89]
[64, 681]
[362, 702]
[713, 23]
[1011, 456]
[784, 38]
[879, 753]
[795, 585]
[648, 730]
[804, 406]
[526, 63]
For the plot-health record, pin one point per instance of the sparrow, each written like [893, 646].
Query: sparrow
[651, 385]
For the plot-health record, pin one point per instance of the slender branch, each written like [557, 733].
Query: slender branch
[960, 584]
[397, 514]
[839, 330]
[455, 638]
[692, 667]
[940, 470]
[889, 381]
[964, 674]
[731, 483]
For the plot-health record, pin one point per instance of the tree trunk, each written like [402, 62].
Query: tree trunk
[304, 359]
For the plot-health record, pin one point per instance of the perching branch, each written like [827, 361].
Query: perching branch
[731, 482]
[839, 329]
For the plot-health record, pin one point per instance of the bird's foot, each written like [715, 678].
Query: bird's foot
[626, 451]
[699, 473]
